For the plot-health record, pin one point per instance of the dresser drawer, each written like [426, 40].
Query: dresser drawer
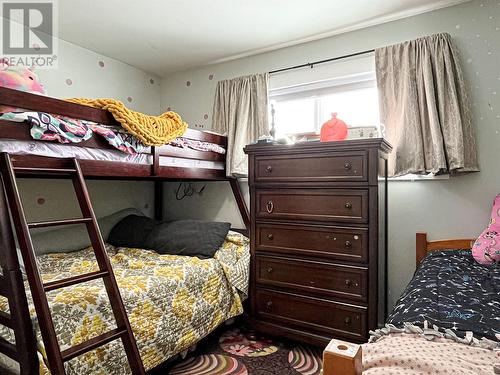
[344, 166]
[340, 205]
[315, 277]
[311, 313]
[338, 243]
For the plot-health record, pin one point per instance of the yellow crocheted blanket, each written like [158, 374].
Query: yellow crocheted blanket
[150, 130]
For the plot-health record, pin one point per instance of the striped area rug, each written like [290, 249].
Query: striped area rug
[237, 351]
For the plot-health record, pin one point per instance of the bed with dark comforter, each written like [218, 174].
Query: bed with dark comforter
[446, 321]
[451, 291]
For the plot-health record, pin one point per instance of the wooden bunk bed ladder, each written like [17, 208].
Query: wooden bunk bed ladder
[55, 356]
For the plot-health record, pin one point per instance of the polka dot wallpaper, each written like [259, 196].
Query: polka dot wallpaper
[458, 207]
[83, 73]
[176, 98]
[474, 26]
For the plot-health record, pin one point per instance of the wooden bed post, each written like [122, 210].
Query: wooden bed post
[12, 287]
[421, 247]
[424, 246]
[240, 200]
[158, 200]
[155, 167]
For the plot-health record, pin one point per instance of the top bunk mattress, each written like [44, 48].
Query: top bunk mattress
[57, 150]
[54, 128]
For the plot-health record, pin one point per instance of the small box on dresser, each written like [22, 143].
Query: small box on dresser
[318, 239]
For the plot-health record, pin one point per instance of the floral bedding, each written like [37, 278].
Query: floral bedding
[172, 301]
[48, 127]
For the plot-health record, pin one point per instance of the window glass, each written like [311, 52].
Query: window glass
[355, 107]
[294, 116]
[304, 109]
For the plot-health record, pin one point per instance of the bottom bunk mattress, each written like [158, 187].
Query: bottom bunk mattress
[172, 301]
[446, 321]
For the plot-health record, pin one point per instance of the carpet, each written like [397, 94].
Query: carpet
[238, 351]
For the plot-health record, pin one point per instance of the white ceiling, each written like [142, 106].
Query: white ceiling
[163, 36]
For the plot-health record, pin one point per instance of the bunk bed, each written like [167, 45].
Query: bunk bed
[22, 156]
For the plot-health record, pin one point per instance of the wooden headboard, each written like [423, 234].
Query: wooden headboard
[423, 247]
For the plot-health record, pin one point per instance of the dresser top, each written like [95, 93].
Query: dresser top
[348, 145]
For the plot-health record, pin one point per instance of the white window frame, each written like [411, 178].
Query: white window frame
[416, 177]
[351, 82]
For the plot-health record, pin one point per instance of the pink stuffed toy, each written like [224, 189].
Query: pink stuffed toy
[486, 249]
[18, 78]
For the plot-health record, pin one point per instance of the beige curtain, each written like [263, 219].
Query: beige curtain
[240, 110]
[425, 108]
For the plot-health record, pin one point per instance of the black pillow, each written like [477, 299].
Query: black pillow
[182, 237]
[131, 231]
[188, 237]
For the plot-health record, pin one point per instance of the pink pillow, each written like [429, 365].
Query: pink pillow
[486, 249]
[18, 78]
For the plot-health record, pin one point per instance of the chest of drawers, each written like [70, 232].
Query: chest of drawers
[318, 239]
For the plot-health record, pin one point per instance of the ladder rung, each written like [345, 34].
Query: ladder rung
[74, 280]
[91, 344]
[49, 171]
[54, 223]
[8, 349]
[6, 320]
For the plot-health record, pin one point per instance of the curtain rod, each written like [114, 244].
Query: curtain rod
[311, 65]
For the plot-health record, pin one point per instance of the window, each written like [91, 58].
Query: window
[304, 108]
[304, 99]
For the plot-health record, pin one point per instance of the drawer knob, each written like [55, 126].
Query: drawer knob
[270, 207]
[350, 283]
[269, 305]
[348, 205]
[348, 166]
[348, 244]
[269, 269]
[269, 169]
[270, 236]
[347, 320]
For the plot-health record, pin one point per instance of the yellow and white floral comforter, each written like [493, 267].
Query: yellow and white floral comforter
[172, 301]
